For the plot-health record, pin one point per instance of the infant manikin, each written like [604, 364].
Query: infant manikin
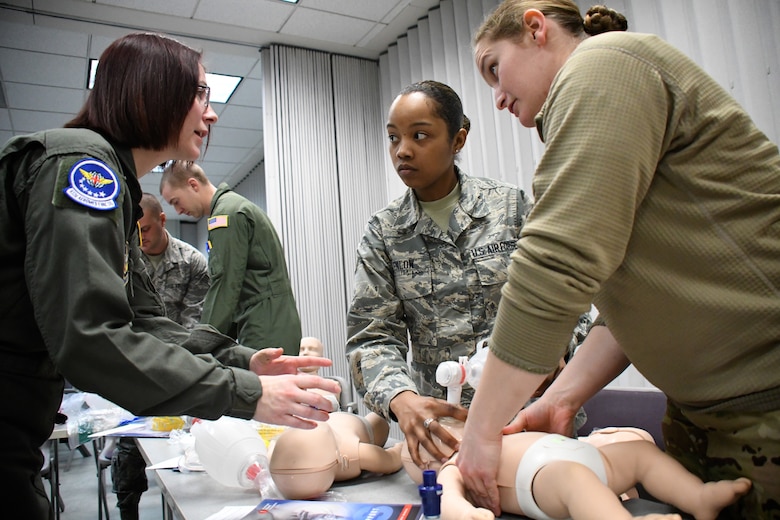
[597, 438]
[546, 476]
[305, 463]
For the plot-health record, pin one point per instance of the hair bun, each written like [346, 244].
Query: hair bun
[466, 123]
[600, 19]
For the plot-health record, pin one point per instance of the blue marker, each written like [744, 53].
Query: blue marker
[131, 421]
[430, 492]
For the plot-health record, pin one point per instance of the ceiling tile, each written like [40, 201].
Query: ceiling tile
[26, 121]
[98, 44]
[249, 93]
[221, 136]
[264, 15]
[226, 154]
[242, 117]
[373, 10]
[43, 39]
[48, 99]
[216, 171]
[327, 26]
[230, 64]
[184, 8]
[5, 135]
[257, 71]
[5, 119]
[38, 68]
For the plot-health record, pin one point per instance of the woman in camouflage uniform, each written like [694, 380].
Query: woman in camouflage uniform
[430, 267]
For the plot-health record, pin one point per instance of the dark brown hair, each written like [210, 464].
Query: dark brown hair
[447, 104]
[144, 88]
[600, 19]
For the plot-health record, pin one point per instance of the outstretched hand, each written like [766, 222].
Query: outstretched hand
[286, 400]
[412, 411]
[272, 361]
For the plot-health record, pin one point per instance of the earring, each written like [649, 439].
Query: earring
[534, 35]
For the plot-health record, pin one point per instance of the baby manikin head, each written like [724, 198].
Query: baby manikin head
[455, 428]
[311, 346]
[303, 463]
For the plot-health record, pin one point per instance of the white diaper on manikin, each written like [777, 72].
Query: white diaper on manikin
[547, 449]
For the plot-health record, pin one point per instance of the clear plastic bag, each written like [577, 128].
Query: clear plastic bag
[89, 413]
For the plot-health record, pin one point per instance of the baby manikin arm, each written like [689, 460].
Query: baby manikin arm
[380, 460]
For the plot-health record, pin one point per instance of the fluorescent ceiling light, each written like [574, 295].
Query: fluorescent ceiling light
[93, 63]
[290, 1]
[222, 85]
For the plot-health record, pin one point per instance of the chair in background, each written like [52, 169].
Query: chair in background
[346, 397]
[638, 407]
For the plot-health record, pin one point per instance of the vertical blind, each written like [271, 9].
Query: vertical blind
[324, 177]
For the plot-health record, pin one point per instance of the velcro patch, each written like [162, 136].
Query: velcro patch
[92, 183]
[218, 221]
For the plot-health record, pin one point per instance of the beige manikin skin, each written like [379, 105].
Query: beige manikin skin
[630, 456]
[305, 463]
[598, 438]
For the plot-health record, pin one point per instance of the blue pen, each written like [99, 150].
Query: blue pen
[130, 421]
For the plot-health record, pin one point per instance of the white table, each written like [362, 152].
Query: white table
[195, 495]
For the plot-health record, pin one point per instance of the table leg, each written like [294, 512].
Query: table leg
[56, 502]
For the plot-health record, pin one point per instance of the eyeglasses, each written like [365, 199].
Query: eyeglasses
[203, 95]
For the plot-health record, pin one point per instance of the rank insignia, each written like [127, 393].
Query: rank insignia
[93, 184]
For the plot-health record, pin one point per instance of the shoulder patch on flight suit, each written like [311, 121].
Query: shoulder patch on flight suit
[218, 221]
[92, 183]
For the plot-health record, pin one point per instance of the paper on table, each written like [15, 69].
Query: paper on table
[118, 430]
[231, 513]
[166, 464]
[131, 430]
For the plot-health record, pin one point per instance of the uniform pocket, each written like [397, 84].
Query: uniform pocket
[493, 274]
[413, 278]
[493, 270]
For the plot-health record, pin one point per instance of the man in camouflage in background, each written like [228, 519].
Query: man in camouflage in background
[179, 272]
